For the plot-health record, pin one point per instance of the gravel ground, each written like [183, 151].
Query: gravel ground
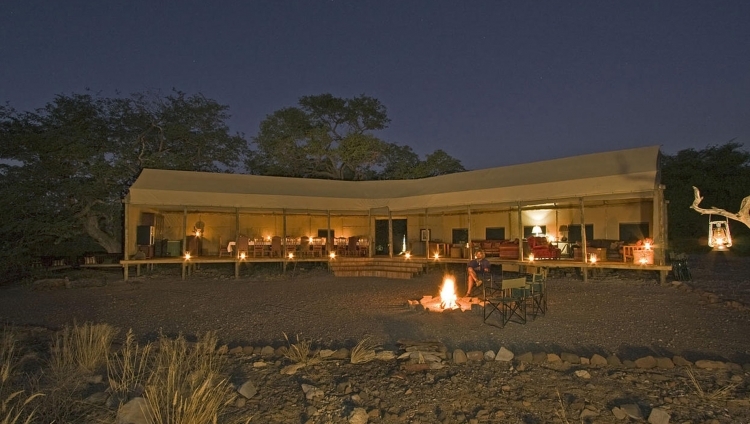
[626, 314]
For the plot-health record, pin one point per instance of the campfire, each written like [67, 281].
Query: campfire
[448, 294]
[448, 300]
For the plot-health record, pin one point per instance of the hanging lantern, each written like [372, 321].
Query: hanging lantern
[199, 227]
[718, 234]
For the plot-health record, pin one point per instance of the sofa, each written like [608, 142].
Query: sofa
[542, 249]
[503, 249]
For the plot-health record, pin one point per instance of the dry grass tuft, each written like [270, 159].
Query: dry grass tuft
[185, 384]
[561, 412]
[80, 348]
[7, 356]
[127, 370]
[13, 405]
[299, 352]
[364, 351]
[722, 393]
[13, 408]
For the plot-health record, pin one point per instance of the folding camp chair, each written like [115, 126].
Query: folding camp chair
[508, 300]
[536, 283]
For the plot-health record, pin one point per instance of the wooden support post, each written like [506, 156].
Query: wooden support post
[184, 270]
[236, 269]
[390, 233]
[125, 271]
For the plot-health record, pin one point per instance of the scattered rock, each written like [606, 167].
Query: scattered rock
[248, 389]
[633, 411]
[459, 357]
[136, 411]
[646, 362]
[504, 355]
[597, 359]
[358, 416]
[570, 358]
[707, 364]
[583, 374]
[658, 416]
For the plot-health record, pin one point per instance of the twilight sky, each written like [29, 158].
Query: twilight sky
[493, 83]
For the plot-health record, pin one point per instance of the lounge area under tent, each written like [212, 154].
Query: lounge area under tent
[583, 211]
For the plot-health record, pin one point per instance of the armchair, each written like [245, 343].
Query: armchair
[542, 249]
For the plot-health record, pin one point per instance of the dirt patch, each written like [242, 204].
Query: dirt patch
[625, 314]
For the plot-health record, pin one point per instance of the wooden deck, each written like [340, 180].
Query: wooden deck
[381, 266]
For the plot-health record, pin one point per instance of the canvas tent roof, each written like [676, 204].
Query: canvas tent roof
[625, 173]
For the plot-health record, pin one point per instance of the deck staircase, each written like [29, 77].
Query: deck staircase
[376, 267]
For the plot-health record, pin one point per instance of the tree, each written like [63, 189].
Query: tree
[333, 138]
[722, 172]
[66, 166]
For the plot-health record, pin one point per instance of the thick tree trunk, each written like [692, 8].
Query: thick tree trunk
[107, 241]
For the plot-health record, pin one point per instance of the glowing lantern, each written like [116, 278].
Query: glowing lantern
[593, 258]
[531, 257]
[187, 256]
[332, 255]
[718, 234]
[291, 255]
[436, 256]
[407, 255]
[242, 255]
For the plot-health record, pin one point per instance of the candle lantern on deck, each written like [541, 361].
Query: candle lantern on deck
[719, 237]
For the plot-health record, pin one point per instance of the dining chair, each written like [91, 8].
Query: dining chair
[259, 248]
[243, 243]
[276, 247]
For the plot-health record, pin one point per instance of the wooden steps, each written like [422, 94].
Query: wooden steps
[376, 267]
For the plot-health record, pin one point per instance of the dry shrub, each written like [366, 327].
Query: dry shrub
[127, 370]
[80, 348]
[299, 352]
[364, 351]
[8, 360]
[185, 384]
[13, 406]
[722, 393]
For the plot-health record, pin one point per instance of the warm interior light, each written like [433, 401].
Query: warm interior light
[332, 255]
[407, 255]
[187, 255]
[551, 238]
[647, 245]
[643, 260]
[198, 232]
[537, 230]
[593, 258]
[437, 255]
[242, 255]
[291, 255]
[531, 257]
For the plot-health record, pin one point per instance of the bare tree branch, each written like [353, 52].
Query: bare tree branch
[743, 215]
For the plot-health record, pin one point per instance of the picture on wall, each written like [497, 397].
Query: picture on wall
[424, 234]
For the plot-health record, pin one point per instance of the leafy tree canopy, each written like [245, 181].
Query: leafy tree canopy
[333, 138]
[66, 166]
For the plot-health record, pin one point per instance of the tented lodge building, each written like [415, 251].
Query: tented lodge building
[582, 203]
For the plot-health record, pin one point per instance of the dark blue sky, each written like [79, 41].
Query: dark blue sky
[492, 83]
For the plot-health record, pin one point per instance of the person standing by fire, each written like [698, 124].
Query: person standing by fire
[478, 265]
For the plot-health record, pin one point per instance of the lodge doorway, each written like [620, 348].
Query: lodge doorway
[381, 236]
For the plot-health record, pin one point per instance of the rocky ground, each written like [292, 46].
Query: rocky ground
[616, 347]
